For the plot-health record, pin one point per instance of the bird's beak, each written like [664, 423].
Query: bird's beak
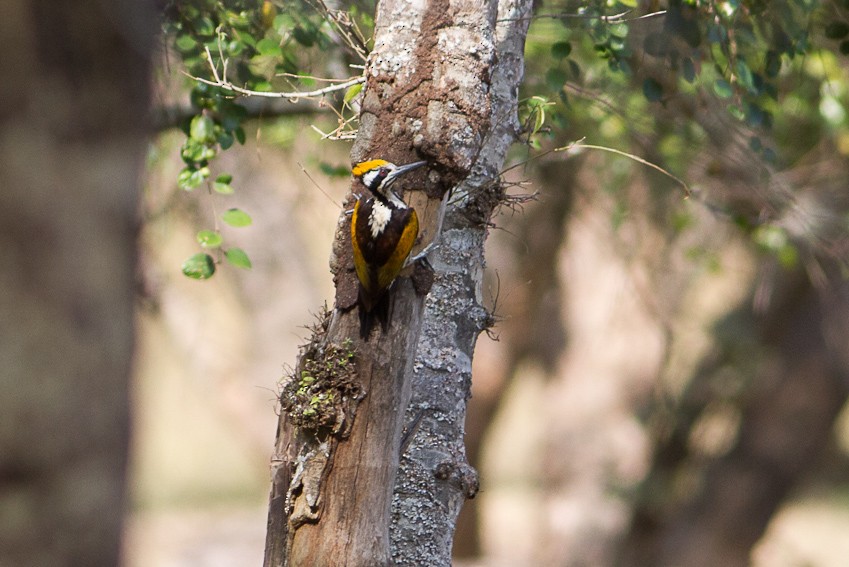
[402, 169]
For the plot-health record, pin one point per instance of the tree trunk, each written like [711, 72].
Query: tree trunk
[74, 91]
[536, 332]
[435, 477]
[434, 92]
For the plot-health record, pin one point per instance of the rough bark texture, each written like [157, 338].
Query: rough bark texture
[536, 331]
[74, 92]
[435, 478]
[790, 384]
[428, 96]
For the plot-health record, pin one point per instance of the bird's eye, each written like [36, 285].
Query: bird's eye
[383, 173]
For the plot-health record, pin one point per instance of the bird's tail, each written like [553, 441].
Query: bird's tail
[371, 311]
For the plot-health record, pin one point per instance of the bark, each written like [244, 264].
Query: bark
[434, 92]
[789, 385]
[435, 477]
[74, 94]
[534, 307]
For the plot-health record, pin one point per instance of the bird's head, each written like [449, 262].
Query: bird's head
[378, 174]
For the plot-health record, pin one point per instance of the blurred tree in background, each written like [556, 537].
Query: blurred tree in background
[76, 83]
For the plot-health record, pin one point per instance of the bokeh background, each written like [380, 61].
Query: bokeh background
[670, 362]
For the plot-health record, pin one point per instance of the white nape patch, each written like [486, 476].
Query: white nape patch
[368, 177]
[379, 218]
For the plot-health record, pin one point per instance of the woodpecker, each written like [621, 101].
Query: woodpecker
[383, 230]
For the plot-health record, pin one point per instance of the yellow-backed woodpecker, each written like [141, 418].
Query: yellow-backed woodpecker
[383, 230]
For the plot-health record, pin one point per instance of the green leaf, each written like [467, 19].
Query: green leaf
[238, 258]
[754, 114]
[209, 239]
[234, 48]
[202, 129]
[561, 49]
[555, 79]
[193, 151]
[284, 20]
[231, 115]
[621, 65]
[736, 111]
[240, 135]
[619, 30]
[225, 140]
[268, 46]
[240, 20]
[744, 76]
[204, 26]
[722, 88]
[539, 120]
[188, 12]
[199, 267]
[247, 39]
[837, 30]
[186, 179]
[199, 98]
[222, 184]
[185, 43]
[755, 144]
[236, 218]
[617, 45]
[352, 92]
[304, 37]
[190, 177]
[536, 108]
[652, 90]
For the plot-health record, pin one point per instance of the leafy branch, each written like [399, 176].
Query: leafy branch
[241, 49]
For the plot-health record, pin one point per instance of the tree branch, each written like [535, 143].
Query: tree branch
[293, 95]
[223, 83]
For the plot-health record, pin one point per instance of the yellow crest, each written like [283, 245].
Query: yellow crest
[365, 166]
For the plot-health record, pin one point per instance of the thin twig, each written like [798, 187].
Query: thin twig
[212, 65]
[317, 186]
[335, 134]
[638, 159]
[291, 95]
[345, 26]
[222, 82]
[614, 19]
[296, 76]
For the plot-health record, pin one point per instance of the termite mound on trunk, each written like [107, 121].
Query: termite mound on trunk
[322, 393]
